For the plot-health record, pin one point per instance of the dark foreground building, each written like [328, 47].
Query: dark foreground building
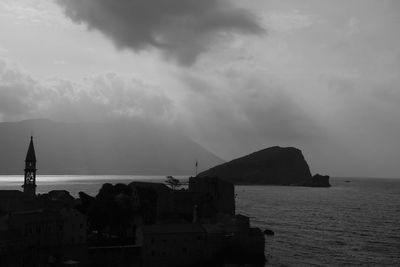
[40, 230]
[198, 226]
[140, 224]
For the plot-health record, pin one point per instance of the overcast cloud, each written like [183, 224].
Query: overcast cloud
[96, 98]
[319, 75]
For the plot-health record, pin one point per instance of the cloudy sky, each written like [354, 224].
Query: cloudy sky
[236, 76]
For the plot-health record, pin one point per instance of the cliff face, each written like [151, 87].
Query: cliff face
[273, 166]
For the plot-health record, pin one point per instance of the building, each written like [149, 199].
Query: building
[173, 244]
[215, 238]
[42, 228]
[15, 200]
[187, 205]
[12, 246]
[47, 228]
[219, 195]
[155, 200]
[205, 229]
[74, 227]
[30, 171]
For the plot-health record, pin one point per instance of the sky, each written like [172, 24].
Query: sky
[236, 76]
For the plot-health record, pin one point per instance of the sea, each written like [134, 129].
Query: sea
[356, 222]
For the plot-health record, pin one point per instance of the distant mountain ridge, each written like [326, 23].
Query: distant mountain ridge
[121, 147]
[271, 166]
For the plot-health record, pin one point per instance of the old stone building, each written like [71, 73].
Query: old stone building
[39, 226]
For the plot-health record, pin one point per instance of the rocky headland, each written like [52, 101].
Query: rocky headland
[317, 180]
[270, 166]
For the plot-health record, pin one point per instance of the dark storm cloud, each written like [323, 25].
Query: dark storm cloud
[182, 29]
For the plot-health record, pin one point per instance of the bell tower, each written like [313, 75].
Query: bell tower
[30, 171]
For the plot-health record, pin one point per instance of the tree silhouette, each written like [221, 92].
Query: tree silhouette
[173, 182]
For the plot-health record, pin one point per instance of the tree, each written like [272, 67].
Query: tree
[173, 182]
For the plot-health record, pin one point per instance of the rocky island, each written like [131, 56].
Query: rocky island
[270, 166]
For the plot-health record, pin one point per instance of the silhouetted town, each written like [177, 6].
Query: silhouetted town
[135, 224]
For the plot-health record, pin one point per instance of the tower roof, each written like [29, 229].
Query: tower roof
[30, 155]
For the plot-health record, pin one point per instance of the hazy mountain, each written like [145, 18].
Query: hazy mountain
[123, 147]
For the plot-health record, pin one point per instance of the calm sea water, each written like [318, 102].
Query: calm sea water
[350, 224]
